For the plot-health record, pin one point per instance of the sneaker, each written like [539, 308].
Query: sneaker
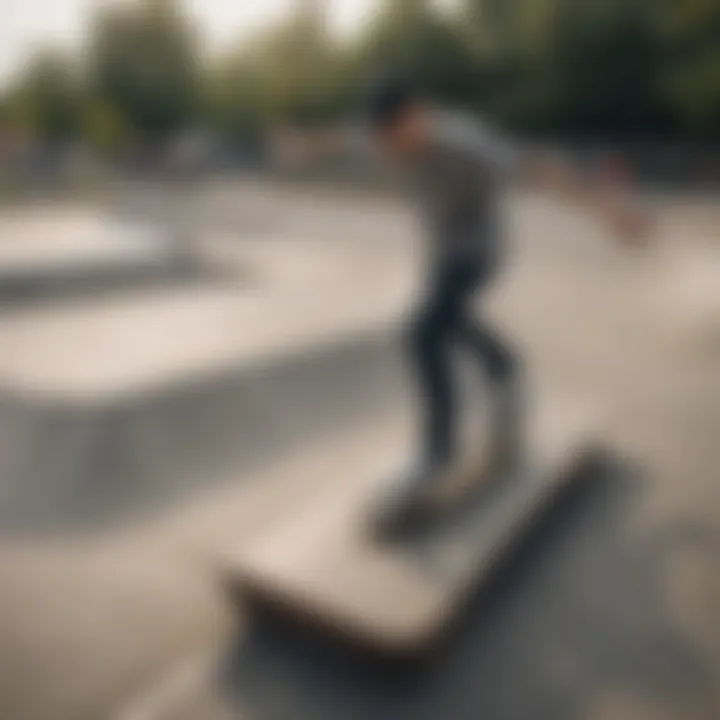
[406, 504]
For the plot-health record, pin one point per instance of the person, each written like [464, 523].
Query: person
[457, 168]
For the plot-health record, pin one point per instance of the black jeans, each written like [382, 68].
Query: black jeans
[443, 321]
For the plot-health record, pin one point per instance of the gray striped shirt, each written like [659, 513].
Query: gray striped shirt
[457, 183]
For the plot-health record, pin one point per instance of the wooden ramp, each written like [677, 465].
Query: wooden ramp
[324, 569]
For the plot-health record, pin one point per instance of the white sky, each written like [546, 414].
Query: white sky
[24, 23]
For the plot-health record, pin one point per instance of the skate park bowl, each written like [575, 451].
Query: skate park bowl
[56, 252]
[123, 406]
[163, 419]
[151, 395]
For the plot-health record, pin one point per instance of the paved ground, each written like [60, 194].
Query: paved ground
[611, 613]
[57, 252]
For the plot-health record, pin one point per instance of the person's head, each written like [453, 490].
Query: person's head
[398, 118]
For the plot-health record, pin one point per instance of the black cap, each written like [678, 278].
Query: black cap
[387, 99]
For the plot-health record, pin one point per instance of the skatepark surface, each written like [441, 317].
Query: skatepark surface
[610, 612]
[56, 252]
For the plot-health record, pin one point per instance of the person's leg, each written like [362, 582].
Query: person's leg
[494, 353]
[431, 337]
[429, 351]
[503, 370]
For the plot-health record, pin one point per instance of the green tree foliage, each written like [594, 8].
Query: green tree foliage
[293, 73]
[233, 97]
[584, 68]
[143, 62]
[46, 99]
[413, 38]
[690, 76]
[105, 128]
[298, 66]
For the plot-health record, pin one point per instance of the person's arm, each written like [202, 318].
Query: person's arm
[609, 198]
[605, 194]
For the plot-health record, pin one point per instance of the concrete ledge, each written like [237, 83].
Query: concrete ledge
[74, 461]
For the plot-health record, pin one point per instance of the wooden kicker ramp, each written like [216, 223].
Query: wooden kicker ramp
[323, 568]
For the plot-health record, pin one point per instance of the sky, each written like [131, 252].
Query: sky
[25, 23]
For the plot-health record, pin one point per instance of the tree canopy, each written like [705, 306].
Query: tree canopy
[581, 68]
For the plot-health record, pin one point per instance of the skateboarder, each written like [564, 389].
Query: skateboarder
[457, 169]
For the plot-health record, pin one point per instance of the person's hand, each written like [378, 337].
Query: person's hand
[629, 222]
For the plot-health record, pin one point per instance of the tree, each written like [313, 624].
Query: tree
[46, 98]
[690, 67]
[414, 38]
[143, 62]
[105, 129]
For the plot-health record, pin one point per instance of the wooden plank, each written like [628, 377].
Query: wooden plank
[325, 567]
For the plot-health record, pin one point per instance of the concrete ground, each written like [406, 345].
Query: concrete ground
[610, 613]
